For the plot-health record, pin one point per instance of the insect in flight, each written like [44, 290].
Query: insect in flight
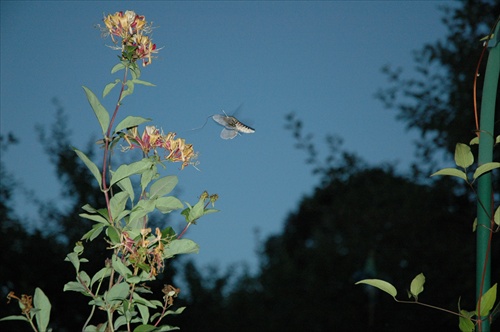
[232, 126]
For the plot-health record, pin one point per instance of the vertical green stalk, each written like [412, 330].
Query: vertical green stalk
[485, 206]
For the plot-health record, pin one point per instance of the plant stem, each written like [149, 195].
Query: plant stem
[106, 147]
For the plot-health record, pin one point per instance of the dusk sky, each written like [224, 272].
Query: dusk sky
[321, 60]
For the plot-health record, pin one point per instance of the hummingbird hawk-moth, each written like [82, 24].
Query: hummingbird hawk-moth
[232, 126]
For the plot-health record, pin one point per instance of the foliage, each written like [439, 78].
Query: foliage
[467, 319]
[485, 312]
[438, 103]
[136, 254]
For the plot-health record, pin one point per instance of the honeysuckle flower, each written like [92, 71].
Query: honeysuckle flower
[124, 25]
[127, 243]
[146, 252]
[25, 302]
[133, 30]
[213, 199]
[179, 150]
[170, 293]
[152, 139]
[143, 48]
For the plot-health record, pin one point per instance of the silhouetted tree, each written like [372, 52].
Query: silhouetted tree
[307, 275]
[439, 101]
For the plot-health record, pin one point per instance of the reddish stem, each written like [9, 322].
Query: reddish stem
[105, 188]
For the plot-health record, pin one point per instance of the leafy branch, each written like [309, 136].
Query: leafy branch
[136, 253]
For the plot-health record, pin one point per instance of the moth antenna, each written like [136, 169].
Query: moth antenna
[206, 120]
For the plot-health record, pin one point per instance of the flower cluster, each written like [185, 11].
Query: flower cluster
[176, 150]
[145, 253]
[170, 292]
[133, 30]
[25, 302]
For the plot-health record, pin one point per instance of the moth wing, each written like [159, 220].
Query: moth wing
[220, 119]
[228, 133]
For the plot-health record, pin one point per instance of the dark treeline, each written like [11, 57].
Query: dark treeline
[362, 221]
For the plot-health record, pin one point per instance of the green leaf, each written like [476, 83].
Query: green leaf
[119, 267]
[496, 216]
[452, 172]
[136, 223]
[135, 71]
[99, 110]
[94, 232]
[163, 186]
[97, 301]
[147, 176]
[474, 225]
[156, 303]
[485, 168]
[78, 248]
[109, 87]
[473, 141]
[417, 285]
[380, 284]
[124, 171]
[196, 212]
[487, 301]
[140, 300]
[163, 328]
[90, 165]
[129, 90]
[42, 303]
[113, 234]
[126, 186]
[465, 324]
[487, 37]
[101, 274]
[142, 208]
[74, 286]
[463, 155]
[95, 217]
[167, 232]
[175, 312]
[89, 208]
[145, 328]
[168, 204]
[209, 211]
[118, 67]
[144, 311]
[117, 293]
[121, 320]
[123, 214]
[92, 328]
[23, 318]
[130, 121]
[117, 204]
[74, 259]
[141, 278]
[84, 278]
[467, 314]
[180, 246]
[136, 81]
[144, 290]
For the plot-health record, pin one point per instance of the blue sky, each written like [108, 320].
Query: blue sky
[320, 60]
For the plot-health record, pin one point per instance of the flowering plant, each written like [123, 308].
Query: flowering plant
[137, 253]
